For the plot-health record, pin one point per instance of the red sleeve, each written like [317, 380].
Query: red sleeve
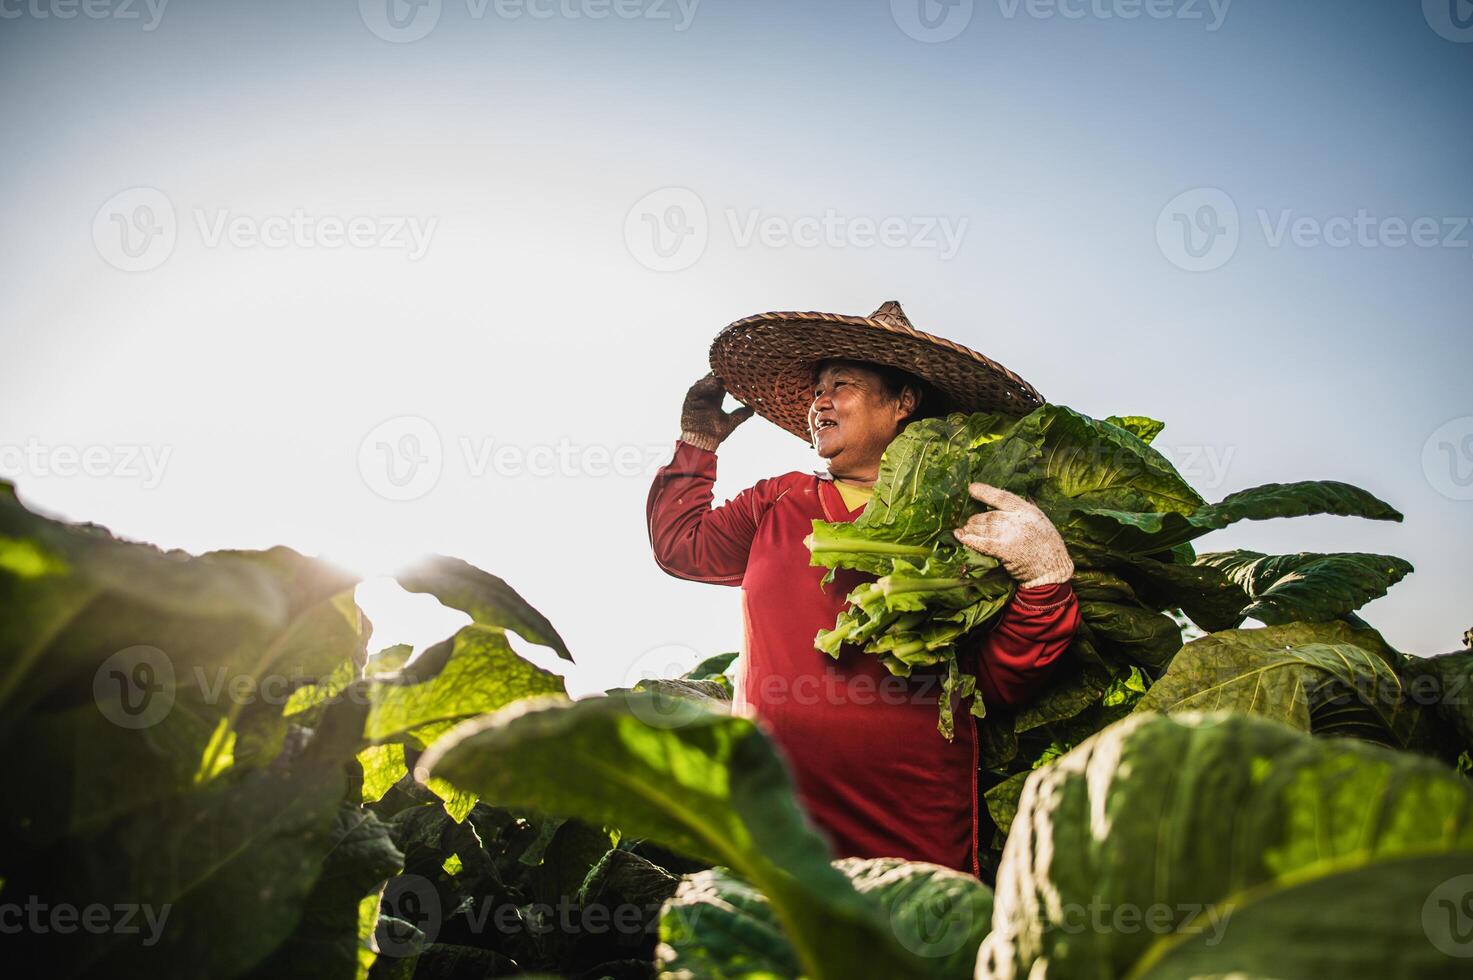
[691, 539]
[1014, 658]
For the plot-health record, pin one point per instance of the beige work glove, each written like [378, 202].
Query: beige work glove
[703, 423]
[1019, 535]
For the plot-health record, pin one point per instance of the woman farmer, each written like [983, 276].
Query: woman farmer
[869, 764]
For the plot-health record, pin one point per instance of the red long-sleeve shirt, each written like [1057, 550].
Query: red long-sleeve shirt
[869, 764]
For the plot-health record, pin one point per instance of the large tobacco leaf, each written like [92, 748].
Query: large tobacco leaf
[1141, 532]
[1086, 463]
[1377, 918]
[76, 596]
[472, 673]
[487, 599]
[719, 927]
[701, 782]
[1442, 686]
[920, 493]
[1307, 587]
[1329, 678]
[1143, 428]
[1198, 822]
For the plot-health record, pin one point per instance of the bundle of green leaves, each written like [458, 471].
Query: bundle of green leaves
[1127, 517]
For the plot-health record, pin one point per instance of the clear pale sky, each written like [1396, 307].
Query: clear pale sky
[331, 226]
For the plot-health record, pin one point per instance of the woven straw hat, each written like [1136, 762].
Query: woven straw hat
[767, 363]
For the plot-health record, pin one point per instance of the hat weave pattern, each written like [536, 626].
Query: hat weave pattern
[768, 363]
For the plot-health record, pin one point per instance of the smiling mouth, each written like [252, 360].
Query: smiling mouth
[824, 424]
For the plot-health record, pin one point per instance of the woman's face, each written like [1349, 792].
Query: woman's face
[851, 419]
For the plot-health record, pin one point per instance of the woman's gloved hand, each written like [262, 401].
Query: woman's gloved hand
[1019, 535]
[703, 423]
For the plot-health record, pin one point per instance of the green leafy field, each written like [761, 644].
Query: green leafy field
[213, 777]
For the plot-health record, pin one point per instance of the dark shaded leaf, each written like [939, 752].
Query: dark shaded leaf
[705, 783]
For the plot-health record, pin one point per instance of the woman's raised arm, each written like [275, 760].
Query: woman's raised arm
[690, 538]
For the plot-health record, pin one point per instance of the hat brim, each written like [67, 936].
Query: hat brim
[767, 362]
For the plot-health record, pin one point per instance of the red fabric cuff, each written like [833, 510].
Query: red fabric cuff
[1044, 595]
[681, 443]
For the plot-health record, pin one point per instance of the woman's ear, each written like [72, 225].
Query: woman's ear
[909, 401]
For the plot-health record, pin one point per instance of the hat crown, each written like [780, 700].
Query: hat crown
[891, 315]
